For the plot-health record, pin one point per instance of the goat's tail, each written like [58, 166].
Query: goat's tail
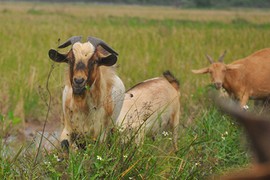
[170, 77]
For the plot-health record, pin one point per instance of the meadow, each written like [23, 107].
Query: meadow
[149, 40]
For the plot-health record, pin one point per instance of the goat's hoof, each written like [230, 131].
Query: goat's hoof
[245, 107]
[65, 145]
[60, 159]
[62, 156]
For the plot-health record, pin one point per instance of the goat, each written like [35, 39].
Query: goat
[151, 107]
[93, 93]
[258, 131]
[243, 79]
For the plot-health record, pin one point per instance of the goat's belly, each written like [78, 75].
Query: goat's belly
[260, 96]
[157, 123]
[150, 121]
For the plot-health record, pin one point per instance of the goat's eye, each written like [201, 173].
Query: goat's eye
[92, 63]
[71, 61]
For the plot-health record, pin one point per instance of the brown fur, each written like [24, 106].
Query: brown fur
[258, 131]
[174, 82]
[108, 103]
[243, 79]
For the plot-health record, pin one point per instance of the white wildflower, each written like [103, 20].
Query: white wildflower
[224, 135]
[59, 159]
[121, 129]
[47, 162]
[164, 133]
[197, 164]
[99, 158]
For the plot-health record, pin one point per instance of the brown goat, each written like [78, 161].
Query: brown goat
[258, 131]
[243, 79]
[93, 93]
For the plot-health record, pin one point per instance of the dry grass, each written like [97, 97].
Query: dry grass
[256, 16]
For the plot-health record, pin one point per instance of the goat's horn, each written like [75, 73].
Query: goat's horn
[70, 41]
[209, 59]
[96, 41]
[220, 59]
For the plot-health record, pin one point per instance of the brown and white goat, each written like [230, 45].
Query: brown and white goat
[93, 93]
[244, 79]
[258, 135]
[151, 107]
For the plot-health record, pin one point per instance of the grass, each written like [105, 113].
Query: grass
[149, 42]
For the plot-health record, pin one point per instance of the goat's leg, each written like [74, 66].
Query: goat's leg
[175, 126]
[139, 135]
[65, 143]
[65, 140]
[244, 100]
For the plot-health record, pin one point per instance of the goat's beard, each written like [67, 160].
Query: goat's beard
[78, 90]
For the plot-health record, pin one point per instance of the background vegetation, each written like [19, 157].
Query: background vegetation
[177, 3]
[149, 40]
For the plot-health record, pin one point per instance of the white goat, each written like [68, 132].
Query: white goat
[151, 107]
[93, 93]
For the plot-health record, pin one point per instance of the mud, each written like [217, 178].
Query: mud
[31, 134]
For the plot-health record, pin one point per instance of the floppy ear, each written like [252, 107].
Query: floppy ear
[57, 57]
[233, 66]
[201, 71]
[106, 58]
[108, 61]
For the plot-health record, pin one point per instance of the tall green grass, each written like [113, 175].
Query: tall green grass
[209, 141]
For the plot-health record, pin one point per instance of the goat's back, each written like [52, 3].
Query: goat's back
[150, 103]
[254, 73]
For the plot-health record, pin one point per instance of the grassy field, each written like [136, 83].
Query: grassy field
[149, 40]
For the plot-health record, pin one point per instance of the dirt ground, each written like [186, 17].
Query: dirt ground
[30, 136]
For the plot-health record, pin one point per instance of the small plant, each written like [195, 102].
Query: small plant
[7, 123]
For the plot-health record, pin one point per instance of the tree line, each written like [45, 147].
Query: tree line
[179, 3]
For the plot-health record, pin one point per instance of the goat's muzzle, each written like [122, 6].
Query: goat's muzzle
[78, 85]
[218, 85]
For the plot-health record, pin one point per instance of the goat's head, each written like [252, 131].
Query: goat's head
[217, 70]
[84, 60]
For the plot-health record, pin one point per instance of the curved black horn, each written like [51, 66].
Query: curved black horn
[70, 41]
[220, 59]
[209, 59]
[96, 41]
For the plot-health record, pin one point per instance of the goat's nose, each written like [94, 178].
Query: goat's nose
[218, 85]
[78, 80]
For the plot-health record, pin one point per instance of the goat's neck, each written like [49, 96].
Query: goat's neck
[96, 93]
[230, 84]
[80, 102]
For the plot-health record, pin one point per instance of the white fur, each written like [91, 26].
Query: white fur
[83, 51]
[118, 92]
